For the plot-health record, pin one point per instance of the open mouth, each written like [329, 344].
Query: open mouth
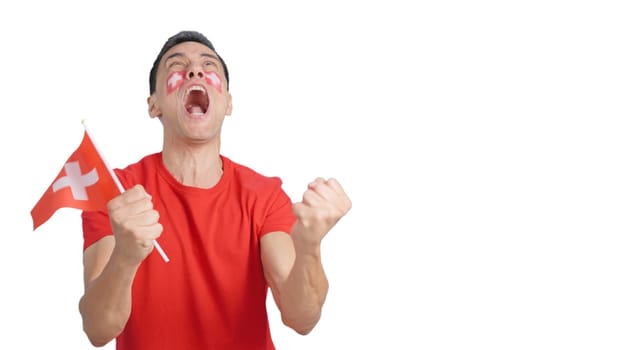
[196, 100]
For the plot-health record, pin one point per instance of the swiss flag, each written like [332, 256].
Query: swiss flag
[84, 183]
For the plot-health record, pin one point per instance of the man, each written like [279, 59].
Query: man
[230, 232]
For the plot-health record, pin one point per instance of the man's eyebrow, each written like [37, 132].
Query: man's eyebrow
[176, 54]
[179, 54]
[210, 56]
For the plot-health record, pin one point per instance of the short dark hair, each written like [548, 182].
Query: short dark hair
[183, 36]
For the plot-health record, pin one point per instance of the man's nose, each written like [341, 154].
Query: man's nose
[194, 72]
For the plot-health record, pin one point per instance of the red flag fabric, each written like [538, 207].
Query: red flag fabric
[84, 183]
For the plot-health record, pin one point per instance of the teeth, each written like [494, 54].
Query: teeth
[196, 88]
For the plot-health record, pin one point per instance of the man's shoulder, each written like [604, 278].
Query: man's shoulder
[150, 160]
[250, 178]
[132, 172]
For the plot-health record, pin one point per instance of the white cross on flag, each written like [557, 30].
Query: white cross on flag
[83, 183]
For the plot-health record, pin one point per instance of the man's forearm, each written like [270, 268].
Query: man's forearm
[304, 291]
[107, 302]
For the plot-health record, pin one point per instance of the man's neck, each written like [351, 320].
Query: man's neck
[199, 166]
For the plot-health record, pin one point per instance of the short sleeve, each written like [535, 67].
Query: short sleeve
[279, 215]
[95, 226]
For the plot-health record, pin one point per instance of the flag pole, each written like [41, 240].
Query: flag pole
[120, 186]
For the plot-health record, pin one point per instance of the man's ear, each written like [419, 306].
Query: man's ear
[229, 105]
[154, 107]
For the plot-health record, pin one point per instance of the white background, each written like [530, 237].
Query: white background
[480, 142]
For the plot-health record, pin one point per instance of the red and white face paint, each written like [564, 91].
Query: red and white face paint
[213, 79]
[176, 79]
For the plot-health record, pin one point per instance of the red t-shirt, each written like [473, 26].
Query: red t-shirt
[212, 293]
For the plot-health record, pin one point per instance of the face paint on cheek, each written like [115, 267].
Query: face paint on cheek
[213, 79]
[174, 81]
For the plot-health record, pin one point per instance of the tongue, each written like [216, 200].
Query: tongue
[196, 110]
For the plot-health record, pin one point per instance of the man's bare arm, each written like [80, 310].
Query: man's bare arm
[292, 263]
[107, 301]
[110, 265]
